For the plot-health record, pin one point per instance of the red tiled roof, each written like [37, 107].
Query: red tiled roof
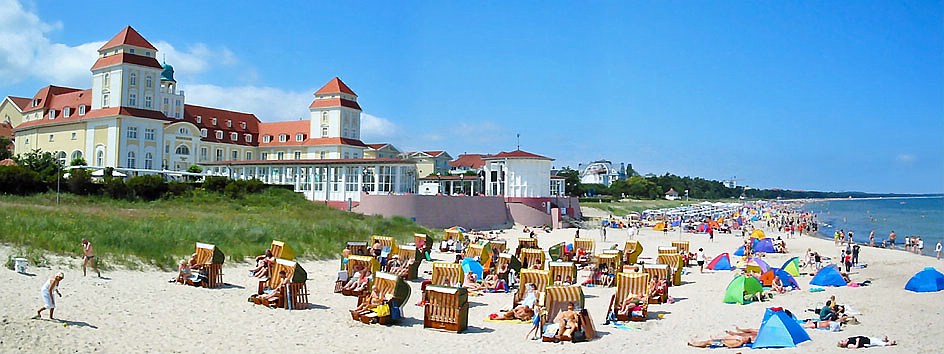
[434, 153]
[307, 161]
[335, 141]
[95, 113]
[469, 160]
[335, 86]
[334, 102]
[206, 116]
[45, 95]
[126, 58]
[290, 128]
[130, 37]
[377, 146]
[21, 102]
[449, 178]
[516, 154]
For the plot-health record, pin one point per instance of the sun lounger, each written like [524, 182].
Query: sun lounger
[631, 283]
[210, 261]
[446, 308]
[611, 260]
[631, 251]
[667, 250]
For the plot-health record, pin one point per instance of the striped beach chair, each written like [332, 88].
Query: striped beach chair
[410, 255]
[210, 260]
[588, 246]
[525, 242]
[446, 308]
[667, 250]
[556, 300]
[391, 287]
[366, 262]
[531, 256]
[631, 251]
[675, 264]
[565, 271]
[658, 271]
[446, 274]
[540, 278]
[631, 283]
[499, 245]
[282, 250]
[450, 234]
[296, 295]
[385, 241]
[358, 248]
[481, 250]
[611, 260]
[681, 246]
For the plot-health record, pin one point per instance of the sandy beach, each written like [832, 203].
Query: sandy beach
[139, 311]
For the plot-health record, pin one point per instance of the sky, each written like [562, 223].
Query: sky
[825, 95]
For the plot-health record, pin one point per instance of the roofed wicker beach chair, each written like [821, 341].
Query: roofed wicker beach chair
[589, 247]
[282, 250]
[450, 234]
[659, 271]
[446, 308]
[446, 274]
[539, 277]
[295, 295]
[410, 258]
[210, 263]
[675, 263]
[556, 300]
[525, 242]
[385, 241]
[358, 248]
[563, 273]
[531, 256]
[481, 250]
[513, 265]
[631, 251]
[682, 247]
[395, 292]
[367, 263]
[631, 283]
[667, 250]
[499, 245]
[612, 262]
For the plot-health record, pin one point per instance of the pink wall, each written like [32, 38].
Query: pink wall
[527, 215]
[572, 204]
[439, 211]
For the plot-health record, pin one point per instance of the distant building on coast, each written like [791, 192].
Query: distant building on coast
[601, 172]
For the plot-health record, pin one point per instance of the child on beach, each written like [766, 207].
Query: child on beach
[535, 324]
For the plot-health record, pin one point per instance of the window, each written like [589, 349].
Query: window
[100, 157]
[266, 138]
[247, 137]
[132, 132]
[324, 117]
[248, 155]
[199, 118]
[324, 132]
[76, 155]
[219, 134]
[148, 82]
[235, 155]
[131, 50]
[106, 102]
[347, 155]
[66, 112]
[52, 114]
[229, 123]
[234, 136]
[133, 100]
[131, 160]
[283, 138]
[75, 136]
[149, 134]
[203, 132]
[147, 102]
[167, 149]
[242, 125]
[219, 154]
[280, 155]
[148, 160]
[106, 80]
[166, 101]
[345, 133]
[299, 137]
[183, 150]
[61, 156]
[265, 155]
[147, 53]
[134, 78]
[82, 110]
[298, 155]
[350, 179]
[322, 155]
[203, 154]
[213, 121]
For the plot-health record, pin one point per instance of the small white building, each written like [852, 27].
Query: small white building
[517, 174]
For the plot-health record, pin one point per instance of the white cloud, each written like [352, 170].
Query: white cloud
[197, 59]
[376, 128]
[905, 158]
[269, 104]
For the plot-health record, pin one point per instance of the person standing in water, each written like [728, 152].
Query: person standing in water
[49, 302]
[88, 257]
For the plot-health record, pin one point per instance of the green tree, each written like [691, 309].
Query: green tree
[78, 161]
[5, 152]
[80, 181]
[43, 163]
[571, 181]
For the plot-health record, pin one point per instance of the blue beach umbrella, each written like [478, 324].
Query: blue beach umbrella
[471, 265]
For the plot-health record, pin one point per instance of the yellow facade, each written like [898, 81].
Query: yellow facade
[9, 113]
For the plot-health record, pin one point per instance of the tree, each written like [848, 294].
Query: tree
[195, 169]
[78, 161]
[571, 181]
[5, 152]
[40, 162]
[80, 181]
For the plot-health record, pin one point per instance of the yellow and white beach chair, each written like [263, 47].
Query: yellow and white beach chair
[631, 283]
[540, 278]
[675, 263]
[446, 308]
[588, 246]
[556, 299]
[481, 250]
[410, 256]
[447, 274]
[566, 272]
[525, 242]
[385, 241]
[531, 256]
[295, 297]
[210, 259]
[631, 251]
[662, 272]
[367, 263]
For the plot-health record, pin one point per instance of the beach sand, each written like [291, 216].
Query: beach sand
[139, 311]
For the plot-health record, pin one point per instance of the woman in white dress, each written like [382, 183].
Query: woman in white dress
[49, 302]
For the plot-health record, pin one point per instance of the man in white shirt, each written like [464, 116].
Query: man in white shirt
[700, 258]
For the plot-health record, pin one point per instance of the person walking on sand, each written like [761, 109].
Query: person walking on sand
[700, 258]
[88, 257]
[872, 238]
[937, 249]
[49, 302]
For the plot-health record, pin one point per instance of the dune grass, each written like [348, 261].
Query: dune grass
[162, 232]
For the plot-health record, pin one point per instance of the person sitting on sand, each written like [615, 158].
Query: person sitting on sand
[567, 322]
[525, 309]
[777, 286]
[279, 289]
[471, 283]
[865, 342]
[493, 283]
[183, 272]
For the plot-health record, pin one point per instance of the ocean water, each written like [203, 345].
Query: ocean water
[906, 216]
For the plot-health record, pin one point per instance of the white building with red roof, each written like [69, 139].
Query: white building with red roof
[518, 174]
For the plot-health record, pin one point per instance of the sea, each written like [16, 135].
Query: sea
[918, 216]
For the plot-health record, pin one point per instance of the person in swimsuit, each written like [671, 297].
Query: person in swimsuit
[88, 257]
[49, 302]
[525, 309]
[865, 342]
[568, 321]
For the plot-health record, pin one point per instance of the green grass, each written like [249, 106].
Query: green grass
[163, 232]
[624, 207]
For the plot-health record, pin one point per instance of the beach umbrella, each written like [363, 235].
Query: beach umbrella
[828, 276]
[757, 265]
[721, 262]
[659, 226]
[779, 330]
[757, 233]
[471, 265]
[765, 245]
[739, 287]
[739, 252]
[927, 280]
[792, 266]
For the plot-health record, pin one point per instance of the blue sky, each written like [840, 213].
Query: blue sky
[830, 95]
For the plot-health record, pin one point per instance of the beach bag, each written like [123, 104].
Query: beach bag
[382, 310]
[578, 336]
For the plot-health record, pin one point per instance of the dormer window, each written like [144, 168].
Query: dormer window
[229, 123]
[299, 137]
[242, 125]
[131, 50]
[35, 102]
[199, 119]
[82, 110]
[148, 54]
[234, 136]
[248, 138]
[219, 134]
[203, 132]
[283, 138]
[52, 114]
[213, 121]
[66, 112]
[266, 138]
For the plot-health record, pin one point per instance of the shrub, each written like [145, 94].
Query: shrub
[215, 183]
[116, 189]
[148, 187]
[20, 180]
[80, 182]
[177, 189]
[239, 188]
[78, 161]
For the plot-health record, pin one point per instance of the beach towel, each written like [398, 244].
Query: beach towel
[623, 326]
[514, 321]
